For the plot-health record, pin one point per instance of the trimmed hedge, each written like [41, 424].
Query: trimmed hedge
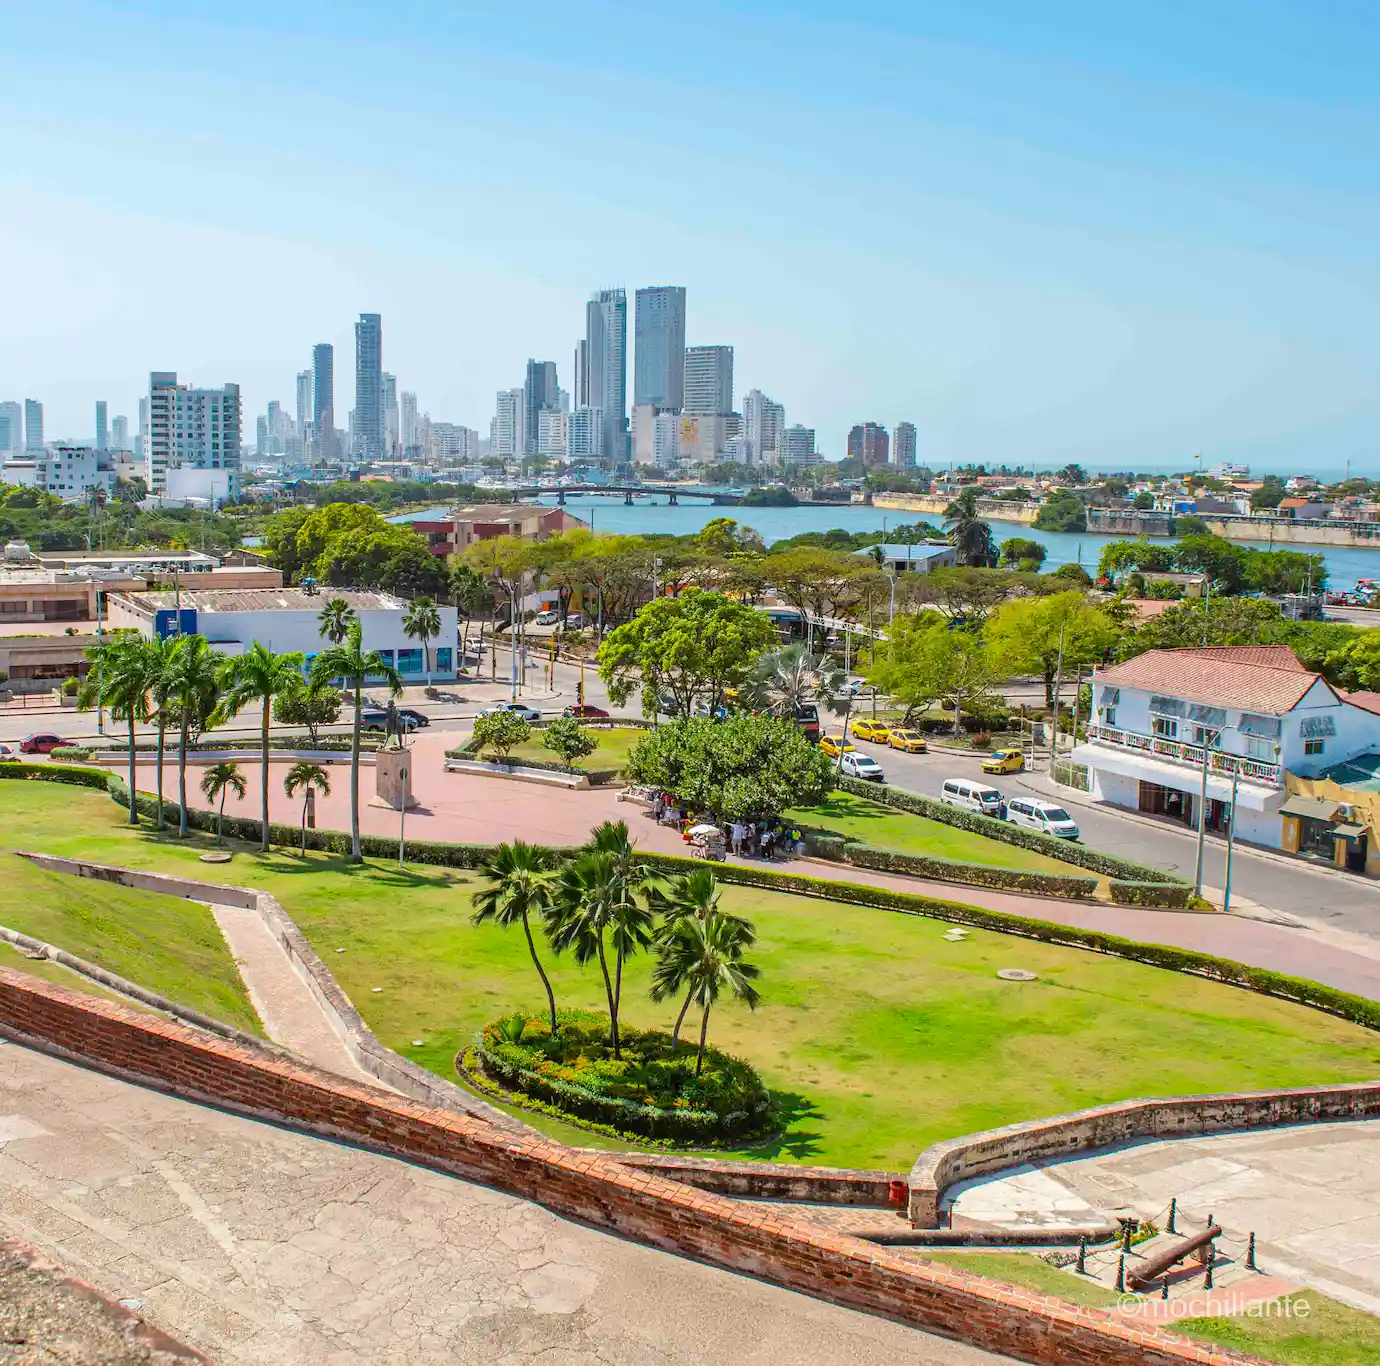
[71, 754]
[1063, 850]
[50, 773]
[369, 742]
[1173, 894]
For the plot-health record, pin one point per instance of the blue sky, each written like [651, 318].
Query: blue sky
[1115, 234]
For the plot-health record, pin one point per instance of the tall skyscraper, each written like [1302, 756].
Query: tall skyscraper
[33, 425]
[869, 443]
[323, 399]
[605, 381]
[798, 446]
[369, 424]
[507, 439]
[392, 424]
[708, 381]
[540, 394]
[11, 428]
[903, 445]
[763, 422]
[408, 432]
[119, 434]
[102, 428]
[304, 410]
[659, 360]
[195, 429]
[585, 434]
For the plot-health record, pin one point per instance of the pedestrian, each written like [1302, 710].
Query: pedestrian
[659, 807]
[768, 837]
[738, 834]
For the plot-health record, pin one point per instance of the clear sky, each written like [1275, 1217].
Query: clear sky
[1114, 233]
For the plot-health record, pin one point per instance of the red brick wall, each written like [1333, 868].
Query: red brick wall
[584, 1185]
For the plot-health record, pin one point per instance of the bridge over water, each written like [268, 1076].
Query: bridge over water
[630, 493]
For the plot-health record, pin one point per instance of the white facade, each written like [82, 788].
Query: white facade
[11, 428]
[798, 446]
[763, 423]
[408, 431]
[585, 433]
[507, 435]
[604, 385]
[903, 446]
[708, 380]
[553, 433]
[190, 428]
[68, 472]
[186, 485]
[33, 426]
[452, 442]
[665, 440]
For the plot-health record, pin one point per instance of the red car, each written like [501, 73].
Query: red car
[587, 712]
[40, 743]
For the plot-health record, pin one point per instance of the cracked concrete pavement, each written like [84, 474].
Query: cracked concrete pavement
[263, 1247]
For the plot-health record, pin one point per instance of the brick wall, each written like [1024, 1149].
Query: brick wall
[583, 1185]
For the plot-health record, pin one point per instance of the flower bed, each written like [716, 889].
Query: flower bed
[651, 1092]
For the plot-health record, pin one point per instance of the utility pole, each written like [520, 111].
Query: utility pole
[1231, 837]
[100, 666]
[1058, 687]
[1202, 815]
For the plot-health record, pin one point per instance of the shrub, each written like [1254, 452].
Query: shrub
[49, 773]
[652, 1090]
[500, 731]
[71, 753]
[70, 686]
[566, 738]
[982, 740]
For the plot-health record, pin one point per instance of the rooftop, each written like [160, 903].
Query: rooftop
[921, 550]
[497, 512]
[1361, 774]
[1259, 678]
[1367, 701]
[263, 599]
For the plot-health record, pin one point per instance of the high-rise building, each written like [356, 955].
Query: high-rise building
[323, 399]
[409, 433]
[304, 410]
[604, 384]
[798, 446]
[553, 433]
[261, 436]
[102, 427]
[582, 373]
[585, 434]
[119, 434]
[369, 423]
[142, 436]
[507, 439]
[11, 428]
[869, 443]
[708, 381]
[392, 422]
[33, 425]
[192, 429]
[659, 360]
[666, 440]
[903, 445]
[540, 394]
[763, 422]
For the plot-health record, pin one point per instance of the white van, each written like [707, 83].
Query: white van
[971, 796]
[1043, 816]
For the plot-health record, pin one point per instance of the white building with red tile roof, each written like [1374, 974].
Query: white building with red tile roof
[1251, 712]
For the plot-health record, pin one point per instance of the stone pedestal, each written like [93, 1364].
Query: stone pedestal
[393, 779]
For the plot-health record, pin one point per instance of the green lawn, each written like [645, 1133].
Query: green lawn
[169, 945]
[879, 1037]
[11, 957]
[1029, 1272]
[611, 755]
[886, 827]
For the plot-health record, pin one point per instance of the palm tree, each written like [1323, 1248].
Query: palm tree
[216, 782]
[471, 594]
[119, 681]
[353, 663]
[422, 622]
[969, 535]
[785, 680]
[581, 914]
[160, 654]
[259, 676]
[631, 916]
[335, 620]
[705, 956]
[303, 777]
[194, 673]
[691, 896]
[518, 886]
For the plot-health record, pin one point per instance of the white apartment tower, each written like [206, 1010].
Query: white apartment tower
[408, 431]
[709, 381]
[11, 428]
[903, 446]
[507, 435]
[798, 446]
[763, 423]
[191, 429]
[603, 382]
[33, 426]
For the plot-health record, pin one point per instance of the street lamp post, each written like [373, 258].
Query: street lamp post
[1209, 739]
[1231, 837]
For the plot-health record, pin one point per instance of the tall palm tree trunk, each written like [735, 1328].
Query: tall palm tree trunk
[355, 853]
[264, 777]
[541, 971]
[613, 1005]
[426, 658]
[220, 819]
[704, 1035]
[182, 772]
[680, 1019]
[304, 822]
[133, 803]
[162, 739]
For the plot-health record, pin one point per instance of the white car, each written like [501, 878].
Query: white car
[1043, 816]
[547, 618]
[517, 708]
[856, 765]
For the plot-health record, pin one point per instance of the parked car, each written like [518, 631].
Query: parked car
[7, 753]
[1042, 816]
[908, 741]
[573, 621]
[586, 713]
[550, 617]
[807, 719]
[834, 745]
[1004, 761]
[375, 719]
[855, 765]
[871, 730]
[416, 717]
[970, 796]
[517, 708]
[40, 742]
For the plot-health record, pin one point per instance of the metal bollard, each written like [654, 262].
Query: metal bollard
[1164, 1288]
[1121, 1275]
[1173, 1214]
[1211, 1259]
[1250, 1255]
[1082, 1257]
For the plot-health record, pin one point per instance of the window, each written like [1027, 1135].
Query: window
[1109, 717]
[1164, 726]
[409, 661]
[1257, 747]
[444, 661]
[1314, 746]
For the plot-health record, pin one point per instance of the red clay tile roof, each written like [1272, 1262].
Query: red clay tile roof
[1367, 701]
[1259, 678]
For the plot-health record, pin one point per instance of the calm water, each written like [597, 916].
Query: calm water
[652, 515]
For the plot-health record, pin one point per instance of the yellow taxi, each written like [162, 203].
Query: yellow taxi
[833, 746]
[908, 741]
[871, 730]
[1004, 761]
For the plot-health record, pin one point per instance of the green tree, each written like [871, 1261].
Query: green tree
[813, 579]
[351, 662]
[1144, 501]
[311, 703]
[335, 619]
[786, 679]
[566, 738]
[471, 595]
[1269, 495]
[261, 676]
[704, 957]
[1062, 510]
[160, 652]
[216, 781]
[304, 777]
[925, 662]
[1223, 562]
[744, 768]
[969, 535]
[1028, 635]
[1073, 575]
[1019, 552]
[119, 681]
[1196, 622]
[422, 621]
[1120, 558]
[194, 688]
[517, 886]
[631, 918]
[500, 732]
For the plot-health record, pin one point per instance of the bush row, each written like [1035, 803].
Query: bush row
[955, 870]
[48, 773]
[1172, 894]
[1063, 850]
[252, 743]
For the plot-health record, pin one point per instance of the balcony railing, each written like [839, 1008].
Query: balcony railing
[1190, 756]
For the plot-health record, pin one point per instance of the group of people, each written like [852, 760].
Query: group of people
[747, 839]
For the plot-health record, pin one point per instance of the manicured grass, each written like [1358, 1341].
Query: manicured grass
[878, 1036]
[611, 755]
[1029, 1272]
[884, 827]
[168, 945]
[1331, 1334]
[11, 957]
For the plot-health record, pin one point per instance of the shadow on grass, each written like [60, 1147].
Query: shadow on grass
[793, 1108]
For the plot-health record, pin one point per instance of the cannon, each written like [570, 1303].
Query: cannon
[1171, 1256]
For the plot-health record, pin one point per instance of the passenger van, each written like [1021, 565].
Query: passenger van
[1046, 817]
[971, 796]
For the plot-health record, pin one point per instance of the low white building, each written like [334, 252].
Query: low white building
[286, 619]
[919, 558]
[68, 472]
[1253, 712]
